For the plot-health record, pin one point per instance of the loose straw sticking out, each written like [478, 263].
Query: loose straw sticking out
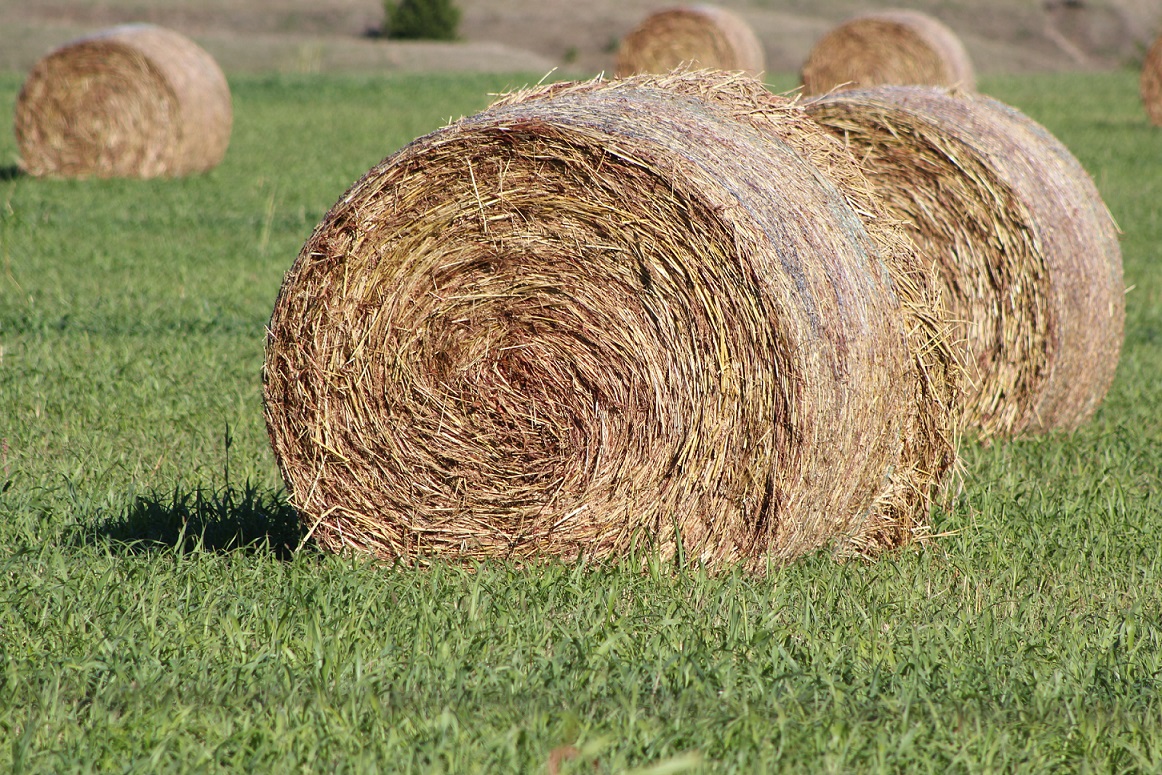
[1150, 83]
[697, 35]
[1026, 250]
[562, 327]
[888, 47]
[132, 101]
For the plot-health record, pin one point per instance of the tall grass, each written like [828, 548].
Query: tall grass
[154, 614]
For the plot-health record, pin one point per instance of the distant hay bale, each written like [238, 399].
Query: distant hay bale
[1150, 83]
[560, 327]
[131, 101]
[697, 36]
[1026, 250]
[888, 47]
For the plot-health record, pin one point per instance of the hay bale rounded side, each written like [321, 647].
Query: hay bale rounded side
[1150, 83]
[1025, 248]
[132, 101]
[697, 35]
[562, 327]
[888, 47]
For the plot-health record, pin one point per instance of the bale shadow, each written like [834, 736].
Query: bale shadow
[226, 520]
[11, 172]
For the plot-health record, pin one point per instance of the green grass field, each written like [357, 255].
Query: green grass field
[154, 616]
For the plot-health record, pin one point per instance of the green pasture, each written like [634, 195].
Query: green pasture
[155, 617]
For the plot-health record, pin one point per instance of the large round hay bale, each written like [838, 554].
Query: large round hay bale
[1025, 248]
[693, 36]
[1150, 83]
[888, 47]
[131, 101]
[586, 321]
[933, 377]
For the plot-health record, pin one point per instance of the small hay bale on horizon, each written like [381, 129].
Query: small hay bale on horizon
[136, 101]
[1026, 250]
[1150, 82]
[887, 47]
[703, 36]
[561, 328]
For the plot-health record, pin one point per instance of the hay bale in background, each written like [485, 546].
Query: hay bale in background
[1026, 249]
[888, 47]
[1150, 83]
[698, 35]
[131, 101]
[561, 327]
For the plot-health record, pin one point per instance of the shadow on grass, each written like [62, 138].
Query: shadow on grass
[11, 172]
[224, 520]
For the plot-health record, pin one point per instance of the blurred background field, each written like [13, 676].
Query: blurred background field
[1002, 36]
[154, 615]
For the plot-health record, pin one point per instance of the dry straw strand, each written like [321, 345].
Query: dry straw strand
[1026, 250]
[131, 101]
[888, 47]
[1150, 83]
[610, 333]
[698, 35]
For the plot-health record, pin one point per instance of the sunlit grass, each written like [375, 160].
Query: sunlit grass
[154, 615]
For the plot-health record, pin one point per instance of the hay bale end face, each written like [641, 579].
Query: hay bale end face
[888, 47]
[132, 101]
[703, 36]
[1026, 250]
[1150, 83]
[559, 327]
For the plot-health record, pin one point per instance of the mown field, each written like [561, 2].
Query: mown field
[155, 616]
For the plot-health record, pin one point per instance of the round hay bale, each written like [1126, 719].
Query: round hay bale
[933, 378]
[888, 47]
[131, 101]
[582, 322]
[1024, 246]
[1150, 83]
[697, 35]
